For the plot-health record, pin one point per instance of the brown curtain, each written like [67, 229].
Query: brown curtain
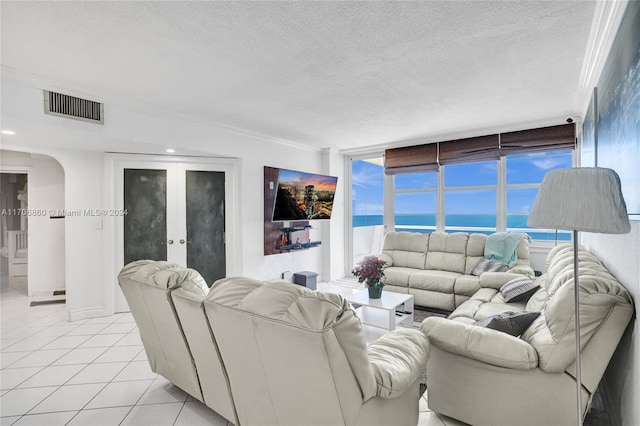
[411, 159]
[428, 157]
[482, 148]
[535, 140]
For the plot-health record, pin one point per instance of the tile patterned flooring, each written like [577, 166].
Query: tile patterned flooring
[95, 372]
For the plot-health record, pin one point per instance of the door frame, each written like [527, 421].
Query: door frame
[115, 165]
[24, 170]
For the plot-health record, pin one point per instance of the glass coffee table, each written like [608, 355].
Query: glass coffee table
[385, 314]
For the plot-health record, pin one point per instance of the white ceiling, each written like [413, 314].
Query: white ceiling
[324, 74]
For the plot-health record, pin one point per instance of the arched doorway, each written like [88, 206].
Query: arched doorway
[35, 242]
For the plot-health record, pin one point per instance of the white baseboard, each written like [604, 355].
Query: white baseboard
[88, 313]
[45, 293]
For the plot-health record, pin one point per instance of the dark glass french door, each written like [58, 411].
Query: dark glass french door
[176, 213]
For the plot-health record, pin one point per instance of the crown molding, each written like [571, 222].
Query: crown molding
[606, 20]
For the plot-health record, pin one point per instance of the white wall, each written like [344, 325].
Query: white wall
[46, 271]
[46, 236]
[621, 255]
[620, 385]
[333, 237]
[89, 277]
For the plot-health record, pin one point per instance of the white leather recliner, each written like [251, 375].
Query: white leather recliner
[272, 353]
[181, 350]
[295, 356]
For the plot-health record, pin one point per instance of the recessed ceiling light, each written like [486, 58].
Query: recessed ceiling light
[171, 150]
[8, 132]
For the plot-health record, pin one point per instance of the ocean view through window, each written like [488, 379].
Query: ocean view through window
[481, 197]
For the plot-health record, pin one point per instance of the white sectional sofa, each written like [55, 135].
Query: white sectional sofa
[436, 268]
[272, 353]
[483, 376]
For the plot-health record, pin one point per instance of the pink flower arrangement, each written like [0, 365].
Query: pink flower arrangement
[371, 270]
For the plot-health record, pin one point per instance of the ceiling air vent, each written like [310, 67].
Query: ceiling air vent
[72, 107]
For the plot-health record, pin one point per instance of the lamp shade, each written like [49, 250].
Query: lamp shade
[585, 199]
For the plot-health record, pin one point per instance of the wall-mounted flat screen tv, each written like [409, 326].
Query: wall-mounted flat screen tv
[303, 196]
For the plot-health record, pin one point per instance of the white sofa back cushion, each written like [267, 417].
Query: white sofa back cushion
[407, 249]
[475, 251]
[290, 353]
[447, 252]
[188, 302]
[553, 334]
[147, 286]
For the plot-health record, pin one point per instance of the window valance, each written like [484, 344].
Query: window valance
[428, 157]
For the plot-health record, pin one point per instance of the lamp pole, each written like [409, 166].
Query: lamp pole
[576, 291]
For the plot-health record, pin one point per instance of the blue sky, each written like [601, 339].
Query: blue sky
[521, 169]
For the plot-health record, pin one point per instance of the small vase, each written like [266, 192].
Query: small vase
[375, 292]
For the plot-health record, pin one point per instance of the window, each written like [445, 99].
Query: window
[415, 201]
[470, 193]
[481, 197]
[524, 175]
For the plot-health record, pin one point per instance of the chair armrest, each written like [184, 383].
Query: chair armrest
[496, 280]
[398, 359]
[480, 343]
[388, 260]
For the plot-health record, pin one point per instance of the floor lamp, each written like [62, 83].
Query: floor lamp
[585, 199]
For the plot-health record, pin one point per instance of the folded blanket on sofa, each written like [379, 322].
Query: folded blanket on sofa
[501, 247]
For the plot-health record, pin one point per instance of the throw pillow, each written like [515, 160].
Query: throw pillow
[518, 289]
[486, 265]
[513, 323]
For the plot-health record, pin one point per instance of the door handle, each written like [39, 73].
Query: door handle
[182, 241]
[167, 242]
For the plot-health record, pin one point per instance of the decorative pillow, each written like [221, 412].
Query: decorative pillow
[486, 265]
[517, 289]
[513, 323]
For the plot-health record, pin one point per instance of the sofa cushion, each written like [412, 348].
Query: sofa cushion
[487, 265]
[475, 251]
[484, 303]
[518, 289]
[599, 294]
[398, 276]
[539, 298]
[447, 252]
[466, 285]
[478, 344]
[433, 299]
[442, 281]
[406, 249]
[513, 323]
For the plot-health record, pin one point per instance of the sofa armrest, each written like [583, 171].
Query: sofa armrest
[522, 270]
[388, 260]
[398, 359]
[496, 280]
[480, 343]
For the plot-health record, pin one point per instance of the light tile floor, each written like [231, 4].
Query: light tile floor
[95, 372]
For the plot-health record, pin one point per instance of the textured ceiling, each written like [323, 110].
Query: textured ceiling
[325, 74]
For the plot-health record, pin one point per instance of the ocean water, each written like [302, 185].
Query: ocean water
[478, 223]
